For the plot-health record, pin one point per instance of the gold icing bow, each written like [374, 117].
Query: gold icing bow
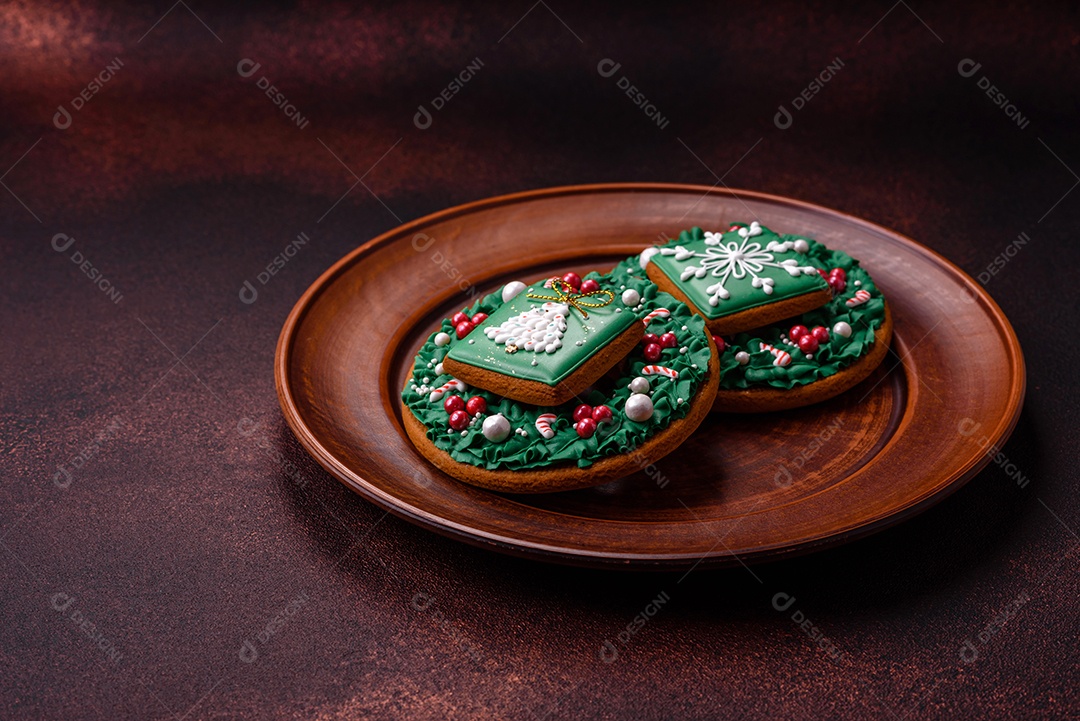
[572, 298]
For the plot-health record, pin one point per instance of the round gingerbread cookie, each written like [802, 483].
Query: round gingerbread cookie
[643, 408]
[811, 357]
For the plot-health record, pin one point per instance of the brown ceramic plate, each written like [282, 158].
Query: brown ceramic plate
[741, 489]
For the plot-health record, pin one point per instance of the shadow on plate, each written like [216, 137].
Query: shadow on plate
[920, 556]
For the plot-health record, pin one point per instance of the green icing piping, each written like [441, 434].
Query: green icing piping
[620, 436]
[830, 358]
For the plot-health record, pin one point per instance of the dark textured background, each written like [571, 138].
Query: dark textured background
[180, 538]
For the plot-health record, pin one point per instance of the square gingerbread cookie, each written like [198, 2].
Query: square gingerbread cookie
[548, 341]
[740, 279]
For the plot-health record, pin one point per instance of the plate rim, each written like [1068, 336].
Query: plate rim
[614, 559]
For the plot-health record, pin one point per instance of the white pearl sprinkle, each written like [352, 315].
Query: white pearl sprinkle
[442, 339]
[471, 341]
[464, 433]
[685, 328]
[511, 290]
[680, 401]
[439, 369]
[618, 310]
[496, 428]
[693, 365]
[534, 362]
[684, 350]
[638, 408]
[426, 380]
[742, 357]
[858, 282]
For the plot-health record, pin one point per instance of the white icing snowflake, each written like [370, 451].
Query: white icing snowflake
[737, 260]
[539, 329]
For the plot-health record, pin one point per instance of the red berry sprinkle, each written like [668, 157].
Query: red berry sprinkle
[459, 420]
[589, 286]
[458, 318]
[479, 318]
[668, 340]
[582, 412]
[454, 403]
[797, 332]
[464, 328]
[652, 352]
[821, 333]
[808, 344]
[573, 280]
[585, 427]
[720, 345]
[476, 405]
[650, 338]
[602, 414]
